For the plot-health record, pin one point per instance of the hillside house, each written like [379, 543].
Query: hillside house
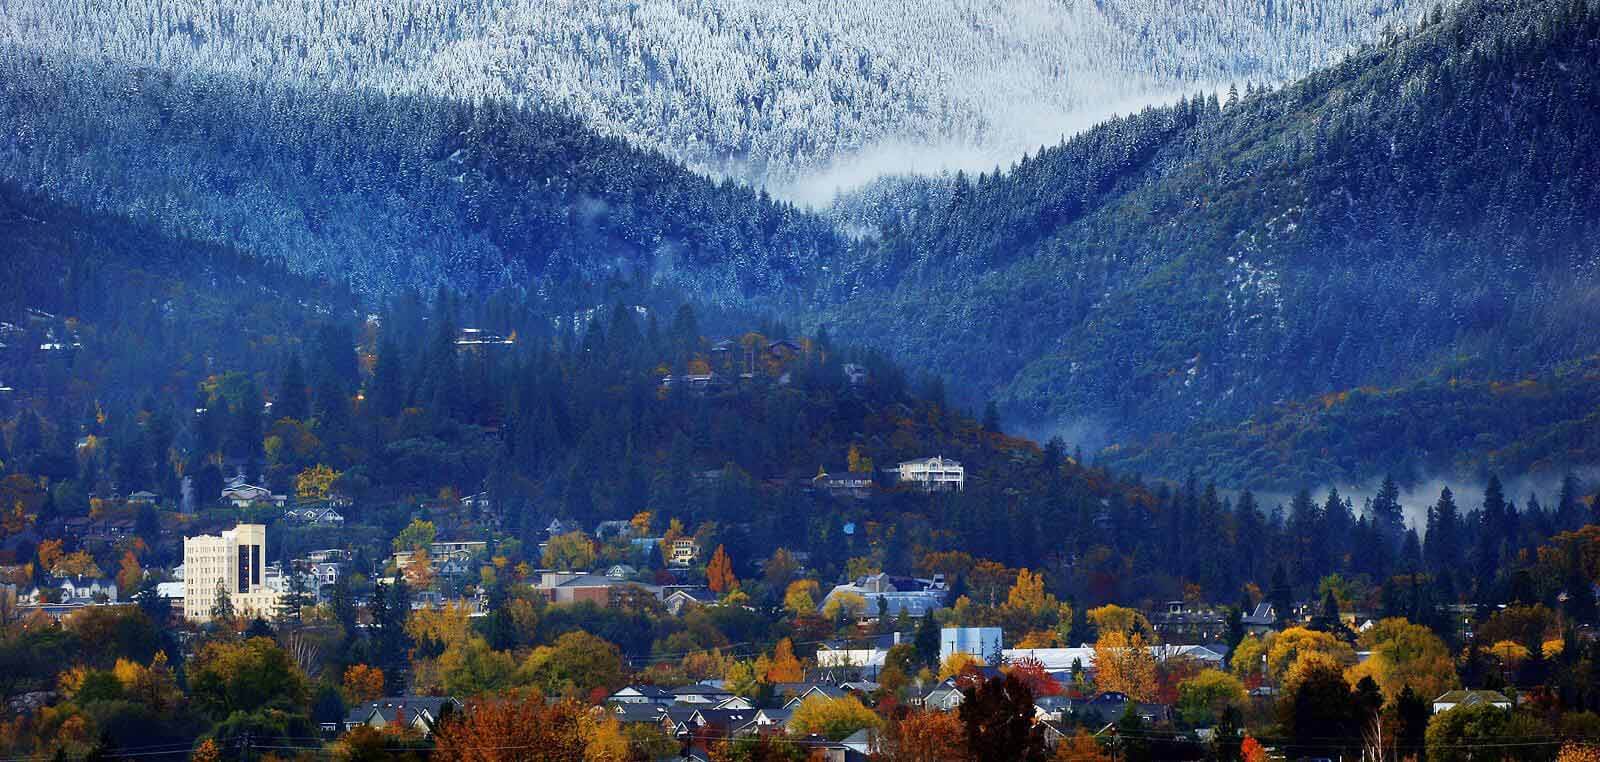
[84, 590]
[242, 495]
[683, 552]
[574, 587]
[1452, 699]
[681, 598]
[421, 714]
[852, 485]
[935, 474]
[887, 596]
[319, 514]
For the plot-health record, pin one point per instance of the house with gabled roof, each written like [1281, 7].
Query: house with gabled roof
[945, 697]
[773, 719]
[420, 714]
[887, 596]
[724, 723]
[640, 694]
[681, 598]
[242, 495]
[647, 712]
[796, 693]
[706, 694]
[932, 474]
[1452, 699]
[85, 589]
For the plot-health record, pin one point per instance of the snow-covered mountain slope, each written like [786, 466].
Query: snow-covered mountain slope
[800, 95]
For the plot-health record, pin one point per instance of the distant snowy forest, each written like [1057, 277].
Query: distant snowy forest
[801, 96]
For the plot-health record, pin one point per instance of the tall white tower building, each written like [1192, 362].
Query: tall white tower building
[234, 560]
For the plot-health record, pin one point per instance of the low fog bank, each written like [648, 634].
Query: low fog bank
[1043, 128]
[1416, 498]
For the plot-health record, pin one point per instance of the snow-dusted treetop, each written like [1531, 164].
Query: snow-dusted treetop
[771, 91]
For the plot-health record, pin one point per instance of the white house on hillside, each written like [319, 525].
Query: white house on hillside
[934, 474]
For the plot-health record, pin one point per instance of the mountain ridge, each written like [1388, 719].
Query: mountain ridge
[1368, 224]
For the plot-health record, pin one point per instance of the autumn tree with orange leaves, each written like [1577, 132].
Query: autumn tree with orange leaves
[1252, 750]
[784, 667]
[1081, 747]
[517, 727]
[926, 737]
[719, 573]
[1033, 674]
[363, 683]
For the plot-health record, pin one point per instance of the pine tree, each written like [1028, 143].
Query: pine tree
[1412, 713]
[1569, 505]
[1338, 522]
[222, 608]
[1307, 546]
[927, 641]
[244, 433]
[1281, 598]
[388, 395]
[1387, 514]
[1443, 547]
[292, 401]
[991, 417]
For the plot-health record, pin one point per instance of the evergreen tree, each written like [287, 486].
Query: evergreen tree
[292, 401]
[1411, 712]
[1281, 598]
[1569, 505]
[1338, 523]
[927, 641]
[1327, 618]
[1307, 546]
[388, 395]
[1387, 514]
[991, 417]
[1443, 548]
[222, 608]
[998, 716]
[244, 433]
[1411, 552]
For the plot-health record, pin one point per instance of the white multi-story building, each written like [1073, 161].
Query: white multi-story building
[933, 474]
[234, 561]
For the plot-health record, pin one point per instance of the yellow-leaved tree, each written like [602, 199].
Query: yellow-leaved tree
[801, 597]
[315, 483]
[1405, 654]
[956, 663]
[1123, 662]
[1287, 647]
[1114, 618]
[573, 551]
[129, 574]
[860, 462]
[834, 718]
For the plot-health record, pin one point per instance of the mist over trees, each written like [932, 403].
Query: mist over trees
[761, 91]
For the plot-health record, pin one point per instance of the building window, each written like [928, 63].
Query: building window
[244, 571]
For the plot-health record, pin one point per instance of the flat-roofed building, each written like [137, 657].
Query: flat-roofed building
[233, 561]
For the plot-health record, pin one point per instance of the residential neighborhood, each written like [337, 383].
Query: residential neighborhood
[742, 574]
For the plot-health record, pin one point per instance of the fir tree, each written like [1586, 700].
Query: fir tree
[292, 401]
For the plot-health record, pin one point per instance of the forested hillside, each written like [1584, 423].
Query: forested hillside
[392, 192]
[1423, 211]
[1453, 429]
[169, 360]
[1426, 209]
[766, 92]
